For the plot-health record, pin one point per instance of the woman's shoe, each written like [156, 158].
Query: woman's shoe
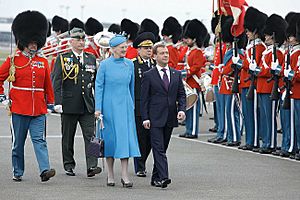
[126, 185]
[110, 184]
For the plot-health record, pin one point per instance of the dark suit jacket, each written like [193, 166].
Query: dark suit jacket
[159, 105]
[139, 69]
[76, 97]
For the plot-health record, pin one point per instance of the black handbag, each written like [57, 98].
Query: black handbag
[96, 146]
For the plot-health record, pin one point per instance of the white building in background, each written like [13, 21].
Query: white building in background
[6, 37]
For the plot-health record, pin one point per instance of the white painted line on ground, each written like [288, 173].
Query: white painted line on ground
[234, 148]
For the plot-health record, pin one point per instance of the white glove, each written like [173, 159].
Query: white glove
[274, 65]
[235, 60]
[220, 67]
[58, 108]
[286, 72]
[181, 116]
[252, 66]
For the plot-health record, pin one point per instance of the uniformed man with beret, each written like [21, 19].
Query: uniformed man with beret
[142, 63]
[73, 80]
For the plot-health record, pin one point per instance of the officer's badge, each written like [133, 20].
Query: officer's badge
[68, 62]
[89, 85]
[140, 72]
[90, 68]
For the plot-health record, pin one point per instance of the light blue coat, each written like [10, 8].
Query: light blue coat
[114, 97]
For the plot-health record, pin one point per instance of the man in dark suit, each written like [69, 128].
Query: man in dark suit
[73, 79]
[163, 103]
[142, 63]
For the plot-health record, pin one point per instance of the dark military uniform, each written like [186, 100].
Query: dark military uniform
[73, 83]
[145, 39]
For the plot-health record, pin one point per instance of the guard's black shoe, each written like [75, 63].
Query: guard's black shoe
[284, 154]
[212, 139]
[141, 174]
[47, 174]
[266, 150]
[17, 178]
[247, 147]
[220, 141]
[70, 172]
[233, 144]
[191, 136]
[182, 135]
[214, 129]
[93, 171]
[156, 183]
[276, 153]
[256, 149]
[297, 156]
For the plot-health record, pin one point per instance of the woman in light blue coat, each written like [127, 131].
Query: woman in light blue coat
[114, 96]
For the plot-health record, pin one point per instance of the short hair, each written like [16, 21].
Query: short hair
[158, 45]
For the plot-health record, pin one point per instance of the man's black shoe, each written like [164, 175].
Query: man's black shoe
[70, 172]
[47, 174]
[141, 174]
[191, 136]
[233, 144]
[214, 129]
[284, 154]
[17, 178]
[156, 183]
[256, 149]
[165, 183]
[265, 150]
[276, 153]
[297, 156]
[93, 171]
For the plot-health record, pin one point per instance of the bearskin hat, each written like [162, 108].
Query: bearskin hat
[276, 24]
[214, 22]
[291, 29]
[114, 28]
[30, 26]
[171, 27]
[196, 30]
[149, 25]
[49, 29]
[206, 41]
[76, 23]
[254, 21]
[298, 29]
[92, 26]
[289, 17]
[60, 24]
[227, 37]
[129, 28]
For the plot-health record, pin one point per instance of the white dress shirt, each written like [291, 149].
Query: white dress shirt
[80, 55]
[161, 73]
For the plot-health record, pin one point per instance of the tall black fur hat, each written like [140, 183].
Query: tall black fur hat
[129, 28]
[49, 29]
[76, 23]
[30, 26]
[227, 37]
[92, 26]
[196, 30]
[171, 27]
[60, 24]
[114, 28]
[298, 29]
[289, 17]
[255, 21]
[149, 25]
[276, 24]
[214, 22]
[291, 29]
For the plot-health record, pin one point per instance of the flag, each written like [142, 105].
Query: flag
[235, 8]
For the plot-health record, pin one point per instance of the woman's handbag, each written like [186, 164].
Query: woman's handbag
[96, 146]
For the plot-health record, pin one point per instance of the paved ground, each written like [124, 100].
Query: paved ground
[198, 170]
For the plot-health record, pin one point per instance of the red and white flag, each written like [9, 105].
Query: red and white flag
[235, 8]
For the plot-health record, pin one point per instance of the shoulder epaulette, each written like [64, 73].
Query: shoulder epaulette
[133, 59]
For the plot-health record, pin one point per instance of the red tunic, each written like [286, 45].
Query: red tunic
[181, 59]
[295, 65]
[227, 77]
[32, 88]
[215, 76]
[173, 56]
[260, 48]
[93, 49]
[265, 65]
[196, 61]
[131, 52]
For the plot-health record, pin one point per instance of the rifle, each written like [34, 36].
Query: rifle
[286, 104]
[235, 84]
[275, 76]
[252, 78]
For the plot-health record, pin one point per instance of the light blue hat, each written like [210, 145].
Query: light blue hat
[116, 40]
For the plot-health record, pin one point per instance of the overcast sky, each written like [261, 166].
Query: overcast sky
[136, 10]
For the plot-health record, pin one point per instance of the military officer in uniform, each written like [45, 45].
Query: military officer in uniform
[142, 63]
[73, 80]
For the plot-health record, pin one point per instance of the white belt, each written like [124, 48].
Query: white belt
[28, 89]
